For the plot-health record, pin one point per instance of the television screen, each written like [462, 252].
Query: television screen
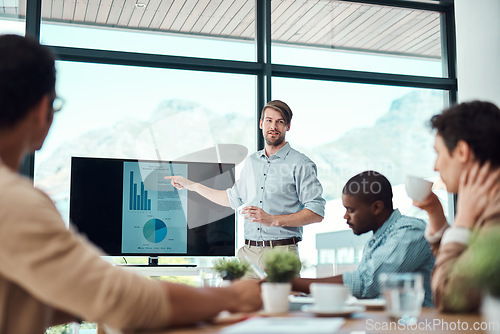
[126, 207]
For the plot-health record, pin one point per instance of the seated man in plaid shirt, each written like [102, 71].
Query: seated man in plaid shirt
[397, 245]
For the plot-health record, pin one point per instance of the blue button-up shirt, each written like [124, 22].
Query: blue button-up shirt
[398, 246]
[284, 183]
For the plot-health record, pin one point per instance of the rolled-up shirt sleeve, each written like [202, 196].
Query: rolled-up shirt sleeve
[238, 194]
[234, 197]
[456, 234]
[309, 188]
[436, 237]
[353, 281]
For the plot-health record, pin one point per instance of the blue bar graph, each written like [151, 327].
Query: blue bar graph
[131, 200]
[134, 207]
[142, 195]
[138, 201]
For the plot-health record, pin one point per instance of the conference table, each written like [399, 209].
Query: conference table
[368, 321]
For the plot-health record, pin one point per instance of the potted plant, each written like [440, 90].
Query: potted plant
[230, 269]
[482, 270]
[281, 266]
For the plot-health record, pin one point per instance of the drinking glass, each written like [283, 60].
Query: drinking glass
[210, 279]
[403, 294]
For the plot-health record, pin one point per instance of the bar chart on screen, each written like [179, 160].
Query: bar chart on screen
[138, 197]
[154, 213]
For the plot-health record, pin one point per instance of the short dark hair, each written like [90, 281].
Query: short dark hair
[477, 123]
[280, 107]
[27, 73]
[370, 186]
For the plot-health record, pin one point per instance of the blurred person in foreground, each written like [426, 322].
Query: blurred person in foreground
[397, 245]
[49, 274]
[467, 144]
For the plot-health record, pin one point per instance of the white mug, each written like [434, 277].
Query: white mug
[329, 296]
[417, 188]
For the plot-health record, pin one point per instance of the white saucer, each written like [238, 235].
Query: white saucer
[370, 304]
[344, 311]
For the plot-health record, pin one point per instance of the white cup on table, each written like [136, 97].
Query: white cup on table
[329, 296]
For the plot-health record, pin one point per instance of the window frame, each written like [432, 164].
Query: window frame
[263, 68]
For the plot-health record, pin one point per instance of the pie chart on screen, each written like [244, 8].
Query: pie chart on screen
[154, 230]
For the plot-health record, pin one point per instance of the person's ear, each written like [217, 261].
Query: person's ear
[378, 207]
[463, 151]
[42, 111]
[260, 124]
[288, 127]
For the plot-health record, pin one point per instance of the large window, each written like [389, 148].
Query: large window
[357, 36]
[362, 79]
[210, 29]
[12, 15]
[348, 128]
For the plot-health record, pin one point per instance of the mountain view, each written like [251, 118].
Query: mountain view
[399, 142]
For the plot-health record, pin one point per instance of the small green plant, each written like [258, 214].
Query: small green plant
[482, 265]
[231, 269]
[281, 266]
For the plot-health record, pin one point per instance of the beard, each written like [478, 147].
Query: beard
[275, 142]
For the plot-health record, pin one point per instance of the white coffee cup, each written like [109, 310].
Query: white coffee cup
[328, 296]
[417, 188]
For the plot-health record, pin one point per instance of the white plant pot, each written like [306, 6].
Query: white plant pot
[490, 310]
[275, 297]
[225, 282]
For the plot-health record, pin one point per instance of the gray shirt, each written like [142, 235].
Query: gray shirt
[284, 183]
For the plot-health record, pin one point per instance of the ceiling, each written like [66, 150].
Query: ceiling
[332, 24]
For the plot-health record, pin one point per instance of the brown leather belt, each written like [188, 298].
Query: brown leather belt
[272, 243]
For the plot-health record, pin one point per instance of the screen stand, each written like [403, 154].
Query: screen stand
[153, 262]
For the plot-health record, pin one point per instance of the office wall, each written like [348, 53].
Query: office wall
[478, 49]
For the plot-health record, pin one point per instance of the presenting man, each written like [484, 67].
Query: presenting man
[397, 245]
[278, 187]
[49, 274]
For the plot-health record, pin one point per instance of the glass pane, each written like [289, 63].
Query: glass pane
[210, 28]
[141, 113]
[356, 36]
[12, 17]
[348, 128]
